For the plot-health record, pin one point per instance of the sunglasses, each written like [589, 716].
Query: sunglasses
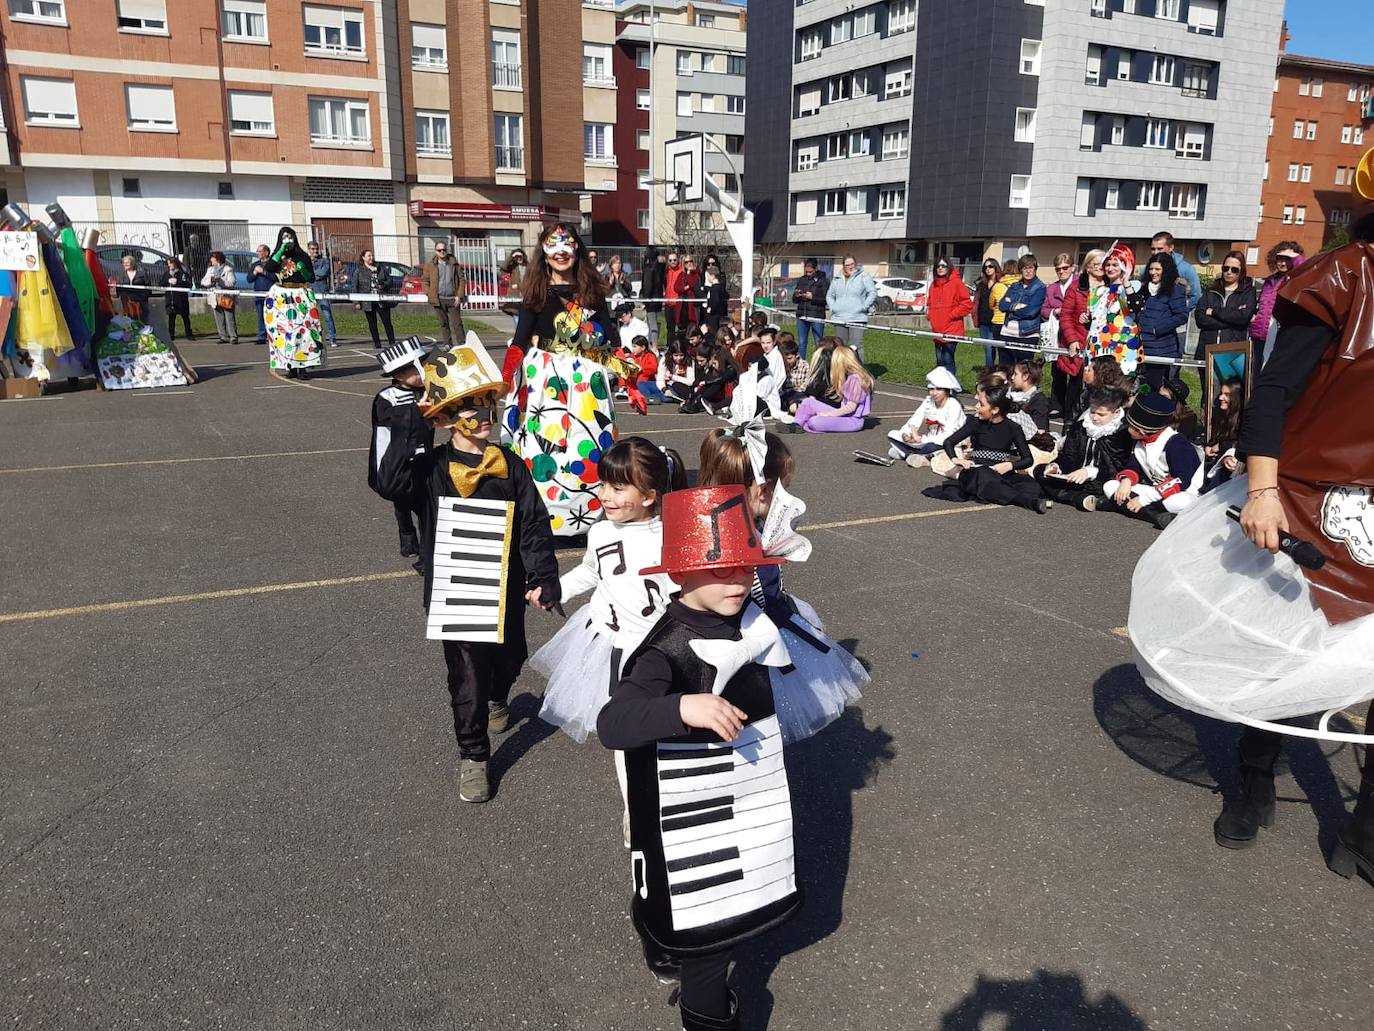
[1231, 268]
[1063, 268]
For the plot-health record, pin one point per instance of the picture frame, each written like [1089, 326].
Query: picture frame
[1223, 363]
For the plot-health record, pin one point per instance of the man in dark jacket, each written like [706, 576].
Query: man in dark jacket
[809, 297]
[261, 281]
[320, 283]
[443, 282]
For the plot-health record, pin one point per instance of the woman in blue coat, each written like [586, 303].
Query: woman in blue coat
[1022, 304]
[1160, 305]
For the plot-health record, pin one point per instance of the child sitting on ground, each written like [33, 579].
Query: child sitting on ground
[676, 372]
[1094, 452]
[798, 371]
[1186, 420]
[1102, 371]
[1220, 454]
[938, 416]
[852, 382]
[999, 450]
[647, 379]
[1163, 473]
[715, 375]
[1025, 394]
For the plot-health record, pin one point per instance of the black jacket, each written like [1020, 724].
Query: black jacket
[818, 284]
[396, 419]
[1107, 453]
[371, 281]
[1229, 322]
[716, 301]
[178, 301]
[653, 281]
[540, 323]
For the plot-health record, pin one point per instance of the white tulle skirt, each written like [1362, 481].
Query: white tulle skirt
[813, 693]
[1226, 629]
[577, 663]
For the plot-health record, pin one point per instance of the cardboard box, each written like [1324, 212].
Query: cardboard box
[14, 387]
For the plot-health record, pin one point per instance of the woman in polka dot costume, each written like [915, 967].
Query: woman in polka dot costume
[1112, 329]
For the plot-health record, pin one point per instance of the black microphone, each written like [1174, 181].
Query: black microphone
[1303, 553]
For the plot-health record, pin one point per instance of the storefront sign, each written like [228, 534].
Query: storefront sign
[455, 211]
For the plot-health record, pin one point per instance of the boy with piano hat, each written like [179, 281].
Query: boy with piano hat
[396, 413]
[710, 810]
[485, 546]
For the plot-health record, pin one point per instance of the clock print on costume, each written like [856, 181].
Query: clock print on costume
[1348, 518]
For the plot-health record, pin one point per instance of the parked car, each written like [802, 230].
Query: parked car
[897, 293]
[404, 278]
[780, 291]
[243, 262]
[153, 262]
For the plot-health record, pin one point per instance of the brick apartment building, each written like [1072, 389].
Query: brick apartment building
[1323, 112]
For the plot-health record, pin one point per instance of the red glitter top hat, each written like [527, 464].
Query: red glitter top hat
[709, 528]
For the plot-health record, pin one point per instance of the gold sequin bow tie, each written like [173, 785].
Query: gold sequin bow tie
[467, 478]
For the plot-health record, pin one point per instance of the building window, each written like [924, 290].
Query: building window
[865, 23]
[1271, 125]
[1113, 199]
[1252, 255]
[1183, 200]
[1123, 67]
[901, 16]
[1030, 57]
[840, 29]
[684, 62]
[333, 30]
[1266, 171]
[832, 202]
[642, 139]
[856, 202]
[148, 16]
[1092, 73]
[1118, 130]
[708, 103]
[1345, 134]
[734, 64]
[860, 143]
[1260, 216]
[839, 88]
[1191, 141]
[642, 179]
[339, 121]
[1288, 214]
[1025, 125]
[1298, 127]
[1340, 175]
[1156, 132]
[896, 142]
[244, 21]
[808, 101]
[1339, 217]
[836, 147]
[1151, 197]
[863, 84]
[596, 65]
[1307, 173]
[897, 82]
[1082, 197]
[506, 72]
[1020, 192]
[1293, 172]
[641, 99]
[1197, 79]
[733, 144]
[1300, 215]
[1162, 70]
[1317, 86]
[1353, 92]
[429, 46]
[1167, 9]
[50, 11]
[1358, 136]
[1202, 16]
[684, 105]
[734, 105]
[597, 145]
[710, 62]
[151, 108]
[1311, 130]
[642, 218]
[510, 143]
[892, 202]
[250, 114]
[1304, 87]
[225, 189]
[808, 156]
[431, 134]
[131, 187]
[812, 40]
[706, 21]
[642, 61]
[48, 101]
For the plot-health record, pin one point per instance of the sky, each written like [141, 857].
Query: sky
[1342, 30]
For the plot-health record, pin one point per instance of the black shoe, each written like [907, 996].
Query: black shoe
[665, 968]
[410, 546]
[290, 373]
[1242, 816]
[1041, 506]
[701, 1022]
[1354, 848]
[418, 565]
[303, 374]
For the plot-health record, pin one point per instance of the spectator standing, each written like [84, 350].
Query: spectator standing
[178, 300]
[987, 311]
[1283, 258]
[1224, 311]
[1161, 308]
[223, 306]
[513, 285]
[717, 302]
[682, 284]
[1163, 243]
[948, 303]
[653, 286]
[444, 289]
[371, 278]
[1010, 274]
[618, 286]
[197, 258]
[261, 280]
[320, 283]
[850, 296]
[1054, 295]
[809, 296]
[1021, 305]
[1066, 376]
[135, 298]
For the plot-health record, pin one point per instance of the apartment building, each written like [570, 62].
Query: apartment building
[683, 72]
[914, 129]
[1323, 114]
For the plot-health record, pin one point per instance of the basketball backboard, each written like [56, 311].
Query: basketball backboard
[685, 169]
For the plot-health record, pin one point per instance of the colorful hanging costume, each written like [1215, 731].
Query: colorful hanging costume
[291, 312]
[1113, 330]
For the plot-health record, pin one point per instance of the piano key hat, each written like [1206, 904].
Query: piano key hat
[1150, 413]
[398, 355]
[462, 377]
[709, 528]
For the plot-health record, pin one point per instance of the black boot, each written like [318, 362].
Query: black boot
[1157, 514]
[700, 1022]
[1354, 848]
[1242, 816]
[665, 968]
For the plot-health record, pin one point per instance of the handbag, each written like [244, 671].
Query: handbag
[224, 302]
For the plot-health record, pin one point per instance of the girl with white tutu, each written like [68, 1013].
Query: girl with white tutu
[582, 660]
[822, 678]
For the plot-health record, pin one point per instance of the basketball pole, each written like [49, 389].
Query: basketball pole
[739, 224]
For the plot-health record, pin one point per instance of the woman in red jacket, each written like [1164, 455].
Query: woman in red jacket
[948, 303]
[1067, 374]
[682, 281]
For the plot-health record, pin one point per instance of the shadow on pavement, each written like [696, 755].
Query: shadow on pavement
[1046, 1002]
[1185, 746]
[529, 731]
[824, 771]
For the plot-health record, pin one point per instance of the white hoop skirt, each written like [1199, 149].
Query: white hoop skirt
[577, 663]
[1226, 629]
[820, 684]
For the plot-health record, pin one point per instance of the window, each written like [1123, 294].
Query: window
[808, 156]
[897, 83]
[506, 72]
[250, 114]
[1311, 130]
[1123, 66]
[1266, 171]
[1358, 136]
[1304, 87]
[151, 108]
[642, 139]
[597, 146]
[860, 143]
[225, 189]
[892, 202]
[1197, 79]
[863, 84]
[39, 10]
[840, 29]
[1082, 197]
[865, 22]
[901, 16]
[1025, 125]
[1339, 217]
[1307, 173]
[896, 142]
[1118, 130]
[836, 147]
[642, 179]
[1288, 214]
[431, 134]
[710, 62]
[596, 64]
[839, 88]
[811, 42]
[1317, 86]
[1020, 192]
[1202, 16]
[244, 20]
[641, 100]
[808, 101]
[1345, 134]
[1167, 9]
[1113, 199]
[684, 62]
[1260, 216]
[1162, 70]
[803, 210]
[1300, 215]
[1252, 255]
[706, 21]
[734, 105]
[1353, 92]
[333, 30]
[1151, 197]
[1191, 141]
[684, 105]
[339, 121]
[642, 218]
[48, 101]
[429, 46]
[1092, 74]
[1298, 128]
[832, 202]
[642, 59]
[1030, 57]
[1293, 172]
[510, 143]
[148, 16]
[1156, 132]
[1271, 125]
[1184, 200]
[856, 202]
[708, 102]
[131, 186]
[1087, 133]
[734, 64]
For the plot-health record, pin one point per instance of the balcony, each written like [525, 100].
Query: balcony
[599, 81]
[510, 159]
[505, 76]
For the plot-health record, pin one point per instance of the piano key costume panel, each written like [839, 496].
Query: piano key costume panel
[467, 600]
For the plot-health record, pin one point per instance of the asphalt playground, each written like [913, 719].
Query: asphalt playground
[230, 795]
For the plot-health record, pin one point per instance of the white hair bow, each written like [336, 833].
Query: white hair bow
[745, 422]
[780, 538]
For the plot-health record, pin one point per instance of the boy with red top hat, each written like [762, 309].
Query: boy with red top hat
[710, 810]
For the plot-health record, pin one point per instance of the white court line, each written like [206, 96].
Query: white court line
[274, 386]
[155, 392]
[44, 397]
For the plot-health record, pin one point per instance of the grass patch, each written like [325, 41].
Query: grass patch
[351, 323]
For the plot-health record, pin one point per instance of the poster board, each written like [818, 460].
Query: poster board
[1225, 363]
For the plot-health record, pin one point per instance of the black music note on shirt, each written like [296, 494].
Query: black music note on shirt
[738, 500]
[651, 588]
[616, 548]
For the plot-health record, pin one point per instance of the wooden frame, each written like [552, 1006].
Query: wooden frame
[1220, 361]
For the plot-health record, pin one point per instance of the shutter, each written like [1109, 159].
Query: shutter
[148, 10]
[1202, 15]
[434, 37]
[150, 104]
[50, 96]
[806, 211]
[250, 107]
[247, 6]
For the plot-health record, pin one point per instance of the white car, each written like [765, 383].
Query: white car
[897, 293]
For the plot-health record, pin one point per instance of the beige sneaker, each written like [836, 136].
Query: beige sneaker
[498, 717]
[472, 781]
[917, 461]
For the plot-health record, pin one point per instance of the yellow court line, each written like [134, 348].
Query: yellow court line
[181, 461]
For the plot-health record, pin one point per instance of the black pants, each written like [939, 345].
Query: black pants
[185, 314]
[1155, 374]
[405, 523]
[478, 674]
[1065, 493]
[1065, 391]
[385, 315]
[705, 993]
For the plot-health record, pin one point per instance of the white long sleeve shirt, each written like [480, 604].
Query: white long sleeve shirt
[625, 604]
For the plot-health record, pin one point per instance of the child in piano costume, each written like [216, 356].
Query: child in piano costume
[477, 500]
[710, 809]
[396, 414]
